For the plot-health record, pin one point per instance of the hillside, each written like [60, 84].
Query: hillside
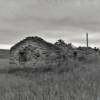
[78, 79]
[4, 53]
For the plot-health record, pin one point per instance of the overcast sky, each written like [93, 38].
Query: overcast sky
[50, 19]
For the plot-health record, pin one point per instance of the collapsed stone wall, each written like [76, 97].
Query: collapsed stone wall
[36, 54]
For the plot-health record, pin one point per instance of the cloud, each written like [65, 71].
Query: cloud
[51, 19]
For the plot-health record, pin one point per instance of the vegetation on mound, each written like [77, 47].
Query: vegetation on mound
[77, 79]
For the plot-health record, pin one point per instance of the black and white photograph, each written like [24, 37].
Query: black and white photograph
[49, 49]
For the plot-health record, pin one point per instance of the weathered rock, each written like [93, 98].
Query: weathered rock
[35, 52]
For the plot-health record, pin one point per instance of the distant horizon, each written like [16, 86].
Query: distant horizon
[8, 46]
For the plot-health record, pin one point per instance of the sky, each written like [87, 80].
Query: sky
[69, 20]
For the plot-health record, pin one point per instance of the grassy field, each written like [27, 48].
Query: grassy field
[83, 83]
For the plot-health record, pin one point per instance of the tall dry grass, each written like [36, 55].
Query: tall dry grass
[82, 83]
[50, 86]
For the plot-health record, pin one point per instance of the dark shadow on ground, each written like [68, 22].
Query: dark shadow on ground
[30, 70]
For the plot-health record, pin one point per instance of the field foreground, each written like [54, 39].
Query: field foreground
[83, 83]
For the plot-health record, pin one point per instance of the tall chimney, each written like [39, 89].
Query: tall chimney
[87, 42]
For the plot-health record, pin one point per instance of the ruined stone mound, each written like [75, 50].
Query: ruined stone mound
[36, 52]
